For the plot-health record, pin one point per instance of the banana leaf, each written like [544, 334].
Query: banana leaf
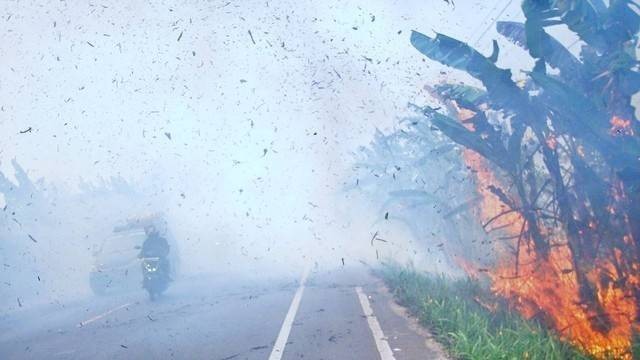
[569, 101]
[550, 49]
[579, 117]
[462, 93]
[582, 18]
[493, 151]
[503, 92]
[623, 22]
[599, 6]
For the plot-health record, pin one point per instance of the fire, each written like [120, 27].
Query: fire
[620, 126]
[552, 142]
[491, 205]
[469, 268]
[547, 289]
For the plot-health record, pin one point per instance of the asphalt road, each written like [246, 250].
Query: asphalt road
[339, 314]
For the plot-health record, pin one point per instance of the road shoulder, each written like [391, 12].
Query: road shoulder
[406, 337]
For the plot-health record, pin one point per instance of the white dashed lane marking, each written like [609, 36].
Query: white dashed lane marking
[98, 317]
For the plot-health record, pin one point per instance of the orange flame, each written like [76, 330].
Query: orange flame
[468, 267]
[620, 126]
[548, 288]
[491, 205]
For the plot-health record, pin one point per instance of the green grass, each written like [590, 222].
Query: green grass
[469, 331]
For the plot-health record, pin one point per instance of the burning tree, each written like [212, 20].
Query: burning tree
[557, 162]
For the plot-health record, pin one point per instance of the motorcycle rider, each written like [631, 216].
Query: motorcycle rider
[155, 246]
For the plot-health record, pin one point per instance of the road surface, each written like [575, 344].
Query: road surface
[339, 314]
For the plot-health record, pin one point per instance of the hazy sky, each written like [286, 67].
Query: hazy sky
[244, 109]
[101, 83]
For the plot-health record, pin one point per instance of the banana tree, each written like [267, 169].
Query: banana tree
[567, 140]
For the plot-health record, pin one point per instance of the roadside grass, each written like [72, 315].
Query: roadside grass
[451, 309]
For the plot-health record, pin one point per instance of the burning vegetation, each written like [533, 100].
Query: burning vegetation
[556, 162]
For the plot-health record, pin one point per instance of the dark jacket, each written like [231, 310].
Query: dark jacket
[155, 246]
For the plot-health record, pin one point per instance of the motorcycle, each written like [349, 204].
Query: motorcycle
[155, 272]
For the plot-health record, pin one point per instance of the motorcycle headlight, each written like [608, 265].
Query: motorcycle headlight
[150, 267]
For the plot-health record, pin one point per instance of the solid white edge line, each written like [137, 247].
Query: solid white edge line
[283, 336]
[378, 336]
